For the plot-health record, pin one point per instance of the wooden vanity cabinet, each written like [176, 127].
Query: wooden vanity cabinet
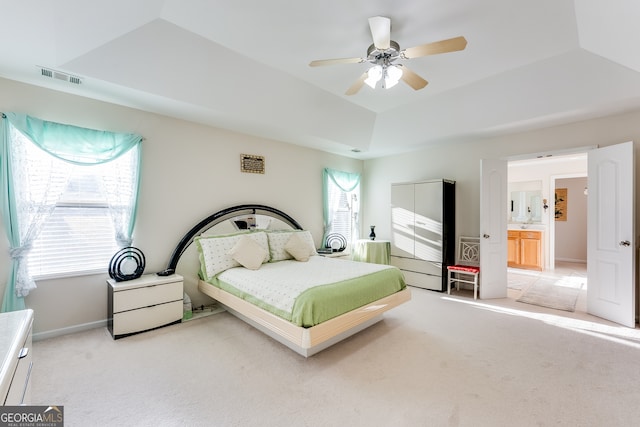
[513, 248]
[525, 249]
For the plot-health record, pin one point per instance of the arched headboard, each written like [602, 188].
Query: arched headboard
[219, 217]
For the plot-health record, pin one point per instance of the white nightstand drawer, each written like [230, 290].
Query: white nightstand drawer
[133, 321]
[149, 295]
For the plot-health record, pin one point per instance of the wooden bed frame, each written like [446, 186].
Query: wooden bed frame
[304, 341]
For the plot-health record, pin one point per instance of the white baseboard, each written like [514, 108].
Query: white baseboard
[69, 330]
[577, 261]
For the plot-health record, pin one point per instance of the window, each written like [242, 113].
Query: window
[64, 180]
[344, 215]
[342, 195]
[79, 236]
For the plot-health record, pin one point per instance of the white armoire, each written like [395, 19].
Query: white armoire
[423, 231]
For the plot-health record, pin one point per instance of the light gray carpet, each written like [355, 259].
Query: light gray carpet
[436, 361]
[552, 293]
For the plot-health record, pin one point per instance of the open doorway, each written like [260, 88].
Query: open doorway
[611, 238]
[558, 183]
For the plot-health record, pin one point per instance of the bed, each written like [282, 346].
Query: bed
[261, 266]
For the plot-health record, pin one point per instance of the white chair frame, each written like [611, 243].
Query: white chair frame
[467, 267]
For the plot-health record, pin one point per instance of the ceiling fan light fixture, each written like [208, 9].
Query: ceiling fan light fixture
[383, 53]
[392, 76]
[374, 75]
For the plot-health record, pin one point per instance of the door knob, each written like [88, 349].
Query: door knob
[486, 236]
[625, 243]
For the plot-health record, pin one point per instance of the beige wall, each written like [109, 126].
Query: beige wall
[571, 235]
[461, 162]
[189, 171]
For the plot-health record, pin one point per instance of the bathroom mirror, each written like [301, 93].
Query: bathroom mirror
[525, 202]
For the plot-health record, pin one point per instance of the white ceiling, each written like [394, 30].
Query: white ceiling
[243, 65]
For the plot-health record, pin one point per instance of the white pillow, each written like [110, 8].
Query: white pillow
[279, 239]
[214, 256]
[298, 247]
[248, 253]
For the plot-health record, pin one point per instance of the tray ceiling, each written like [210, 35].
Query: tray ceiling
[244, 65]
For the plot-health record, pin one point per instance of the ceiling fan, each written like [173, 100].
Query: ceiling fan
[384, 53]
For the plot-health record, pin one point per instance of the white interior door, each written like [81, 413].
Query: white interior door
[493, 228]
[610, 227]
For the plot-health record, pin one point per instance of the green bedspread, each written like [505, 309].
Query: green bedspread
[324, 302]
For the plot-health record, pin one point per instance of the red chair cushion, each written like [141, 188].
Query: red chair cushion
[464, 268]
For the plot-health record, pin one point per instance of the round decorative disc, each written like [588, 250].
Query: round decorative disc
[127, 264]
[336, 242]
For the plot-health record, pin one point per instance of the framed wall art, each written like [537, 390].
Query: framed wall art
[250, 163]
[561, 204]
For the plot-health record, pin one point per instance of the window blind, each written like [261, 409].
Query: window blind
[79, 236]
[75, 240]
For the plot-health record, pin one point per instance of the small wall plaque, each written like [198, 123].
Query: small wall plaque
[251, 164]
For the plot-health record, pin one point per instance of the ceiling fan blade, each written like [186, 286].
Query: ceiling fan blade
[321, 62]
[357, 85]
[443, 46]
[412, 79]
[380, 31]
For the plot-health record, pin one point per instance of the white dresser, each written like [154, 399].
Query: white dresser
[16, 357]
[423, 231]
[145, 303]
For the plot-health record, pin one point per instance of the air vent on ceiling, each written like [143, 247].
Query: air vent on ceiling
[59, 75]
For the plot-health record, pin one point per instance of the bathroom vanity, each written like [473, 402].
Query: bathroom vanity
[525, 249]
[525, 244]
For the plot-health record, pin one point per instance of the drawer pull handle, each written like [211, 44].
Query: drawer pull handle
[486, 236]
[625, 243]
[24, 352]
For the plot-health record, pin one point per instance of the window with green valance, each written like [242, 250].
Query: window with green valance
[44, 171]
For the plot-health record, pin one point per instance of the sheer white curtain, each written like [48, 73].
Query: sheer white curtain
[38, 180]
[120, 183]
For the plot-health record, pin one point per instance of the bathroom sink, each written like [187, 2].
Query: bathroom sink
[515, 226]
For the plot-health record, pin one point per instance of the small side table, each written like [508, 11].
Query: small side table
[373, 251]
[145, 303]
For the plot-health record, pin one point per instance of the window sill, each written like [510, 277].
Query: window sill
[54, 276]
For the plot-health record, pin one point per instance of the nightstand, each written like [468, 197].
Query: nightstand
[145, 303]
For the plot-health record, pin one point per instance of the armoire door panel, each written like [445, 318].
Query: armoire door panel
[402, 220]
[428, 221]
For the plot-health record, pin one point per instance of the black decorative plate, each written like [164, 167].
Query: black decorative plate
[127, 264]
[336, 242]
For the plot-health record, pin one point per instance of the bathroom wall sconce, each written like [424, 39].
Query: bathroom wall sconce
[545, 205]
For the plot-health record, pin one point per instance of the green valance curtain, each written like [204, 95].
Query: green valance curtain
[25, 203]
[74, 144]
